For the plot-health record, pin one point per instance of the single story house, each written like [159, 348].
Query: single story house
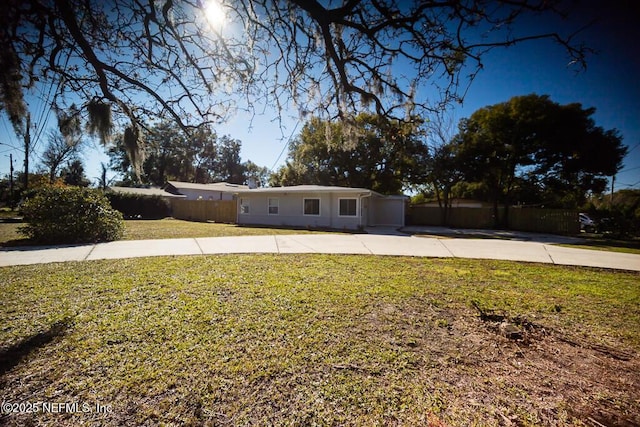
[214, 191]
[319, 206]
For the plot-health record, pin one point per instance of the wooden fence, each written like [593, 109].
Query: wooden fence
[205, 210]
[556, 221]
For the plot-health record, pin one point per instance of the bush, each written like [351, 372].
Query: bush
[140, 206]
[70, 215]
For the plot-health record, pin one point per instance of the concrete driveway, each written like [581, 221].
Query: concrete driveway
[366, 244]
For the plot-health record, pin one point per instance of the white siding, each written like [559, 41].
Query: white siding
[290, 211]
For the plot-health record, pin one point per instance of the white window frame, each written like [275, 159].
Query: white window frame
[277, 205]
[304, 199]
[245, 203]
[355, 215]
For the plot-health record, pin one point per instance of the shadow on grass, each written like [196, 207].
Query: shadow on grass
[606, 243]
[22, 245]
[13, 355]
[17, 243]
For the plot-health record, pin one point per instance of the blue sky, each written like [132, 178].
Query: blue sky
[610, 84]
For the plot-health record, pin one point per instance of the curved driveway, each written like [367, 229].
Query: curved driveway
[368, 244]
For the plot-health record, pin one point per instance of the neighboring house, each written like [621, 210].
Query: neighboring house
[319, 207]
[214, 191]
[146, 192]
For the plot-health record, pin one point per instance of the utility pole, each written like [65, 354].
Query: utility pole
[613, 180]
[11, 178]
[27, 148]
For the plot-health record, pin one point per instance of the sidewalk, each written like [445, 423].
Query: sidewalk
[368, 244]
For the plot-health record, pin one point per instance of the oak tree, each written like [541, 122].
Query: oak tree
[127, 63]
[386, 155]
[554, 150]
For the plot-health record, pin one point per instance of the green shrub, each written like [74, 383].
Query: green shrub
[140, 206]
[70, 215]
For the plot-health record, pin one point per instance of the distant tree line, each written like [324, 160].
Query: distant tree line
[169, 154]
[528, 150]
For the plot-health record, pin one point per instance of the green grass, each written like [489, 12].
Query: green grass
[630, 246]
[318, 340]
[168, 228]
[9, 234]
[8, 213]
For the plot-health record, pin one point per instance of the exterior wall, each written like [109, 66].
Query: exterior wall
[386, 211]
[290, 211]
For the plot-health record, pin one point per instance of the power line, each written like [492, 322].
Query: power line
[630, 169]
[285, 146]
[46, 106]
[43, 117]
[628, 185]
[634, 147]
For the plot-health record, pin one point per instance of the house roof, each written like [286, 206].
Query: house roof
[312, 189]
[224, 187]
[144, 191]
[306, 189]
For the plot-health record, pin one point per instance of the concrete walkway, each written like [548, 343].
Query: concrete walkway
[368, 244]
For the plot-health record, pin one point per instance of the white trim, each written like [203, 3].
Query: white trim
[319, 206]
[340, 199]
[277, 206]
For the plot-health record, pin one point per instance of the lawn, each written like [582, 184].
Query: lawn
[167, 228]
[630, 246]
[320, 340]
[170, 228]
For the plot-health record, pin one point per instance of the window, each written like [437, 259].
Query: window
[311, 206]
[348, 207]
[244, 206]
[274, 206]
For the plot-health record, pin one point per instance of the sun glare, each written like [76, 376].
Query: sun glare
[214, 11]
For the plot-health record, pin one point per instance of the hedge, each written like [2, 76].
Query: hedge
[70, 215]
[140, 206]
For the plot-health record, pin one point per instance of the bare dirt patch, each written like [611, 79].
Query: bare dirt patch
[555, 376]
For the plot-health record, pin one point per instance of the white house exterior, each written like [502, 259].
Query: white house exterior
[319, 207]
[214, 191]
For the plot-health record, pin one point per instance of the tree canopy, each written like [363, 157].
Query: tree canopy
[171, 155]
[386, 156]
[127, 63]
[531, 148]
